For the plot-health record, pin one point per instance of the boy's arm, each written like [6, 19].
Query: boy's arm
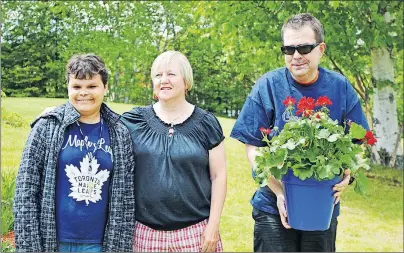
[28, 191]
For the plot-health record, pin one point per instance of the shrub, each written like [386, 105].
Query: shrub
[6, 247]
[13, 119]
[8, 178]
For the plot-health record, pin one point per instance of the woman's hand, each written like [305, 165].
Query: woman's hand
[210, 238]
[218, 176]
[341, 186]
[46, 110]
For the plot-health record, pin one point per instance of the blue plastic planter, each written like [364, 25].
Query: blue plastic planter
[309, 202]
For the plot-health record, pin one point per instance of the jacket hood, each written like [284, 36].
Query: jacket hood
[67, 114]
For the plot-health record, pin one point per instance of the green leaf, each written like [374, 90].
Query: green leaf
[361, 185]
[303, 173]
[323, 171]
[320, 160]
[299, 166]
[346, 159]
[364, 163]
[276, 158]
[357, 131]
[312, 156]
[264, 182]
[335, 166]
[343, 147]
[301, 141]
[276, 173]
[334, 4]
[333, 137]
[289, 145]
[323, 134]
[356, 149]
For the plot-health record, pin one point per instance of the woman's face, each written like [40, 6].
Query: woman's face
[168, 82]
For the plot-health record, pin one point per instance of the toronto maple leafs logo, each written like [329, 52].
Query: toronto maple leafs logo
[86, 182]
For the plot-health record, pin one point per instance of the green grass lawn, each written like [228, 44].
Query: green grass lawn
[374, 223]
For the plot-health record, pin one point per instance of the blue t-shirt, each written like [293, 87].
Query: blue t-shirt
[82, 186]
[264, 108]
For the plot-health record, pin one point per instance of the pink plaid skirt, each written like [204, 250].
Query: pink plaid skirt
[182, 240]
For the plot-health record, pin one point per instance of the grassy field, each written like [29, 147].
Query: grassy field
[374, 223]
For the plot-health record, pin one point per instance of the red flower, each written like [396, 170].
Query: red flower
[318, 116]
[323, 101]
[369, 138]
[265, 131]
[289, 101]
[305, 106]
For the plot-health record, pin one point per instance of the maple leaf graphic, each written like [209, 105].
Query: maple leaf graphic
[86, 182]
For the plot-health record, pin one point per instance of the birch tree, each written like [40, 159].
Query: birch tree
[384, 99]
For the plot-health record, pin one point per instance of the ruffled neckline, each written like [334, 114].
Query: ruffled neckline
[185, 127]
[178, 124]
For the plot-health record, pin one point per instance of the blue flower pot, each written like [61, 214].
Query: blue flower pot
[309, 202]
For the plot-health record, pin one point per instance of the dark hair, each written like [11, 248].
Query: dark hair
[305, 19]
[85, 66]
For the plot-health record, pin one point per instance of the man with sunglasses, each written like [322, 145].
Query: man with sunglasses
[303, 47]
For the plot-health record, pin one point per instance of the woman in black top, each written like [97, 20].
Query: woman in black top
[180, 180]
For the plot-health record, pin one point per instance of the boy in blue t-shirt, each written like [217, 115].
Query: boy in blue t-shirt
[75, 185]
[303, 47]
[84, 172]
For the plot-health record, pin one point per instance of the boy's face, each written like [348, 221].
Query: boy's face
[87, 95]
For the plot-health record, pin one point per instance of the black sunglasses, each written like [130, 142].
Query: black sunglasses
[302, 49]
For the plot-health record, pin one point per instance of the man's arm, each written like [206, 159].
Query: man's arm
[354, 113]
[273, 184]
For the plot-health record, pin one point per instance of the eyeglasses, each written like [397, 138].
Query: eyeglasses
[302, 49]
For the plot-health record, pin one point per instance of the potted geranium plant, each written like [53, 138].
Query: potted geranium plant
[310, 149]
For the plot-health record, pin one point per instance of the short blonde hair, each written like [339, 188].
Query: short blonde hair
[185, 67]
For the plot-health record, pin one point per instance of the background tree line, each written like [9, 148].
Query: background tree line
[229, 44]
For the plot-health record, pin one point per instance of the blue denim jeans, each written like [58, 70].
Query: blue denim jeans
[271, 236]
[79, 247]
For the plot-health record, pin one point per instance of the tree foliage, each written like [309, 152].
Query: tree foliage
[229, 44]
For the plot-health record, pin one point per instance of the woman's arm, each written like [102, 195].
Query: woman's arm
[218, 176]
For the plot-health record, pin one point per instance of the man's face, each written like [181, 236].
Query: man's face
[302, 66]
[86, 95]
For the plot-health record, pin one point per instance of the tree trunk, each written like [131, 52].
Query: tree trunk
[384, 107]
[396, 147]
